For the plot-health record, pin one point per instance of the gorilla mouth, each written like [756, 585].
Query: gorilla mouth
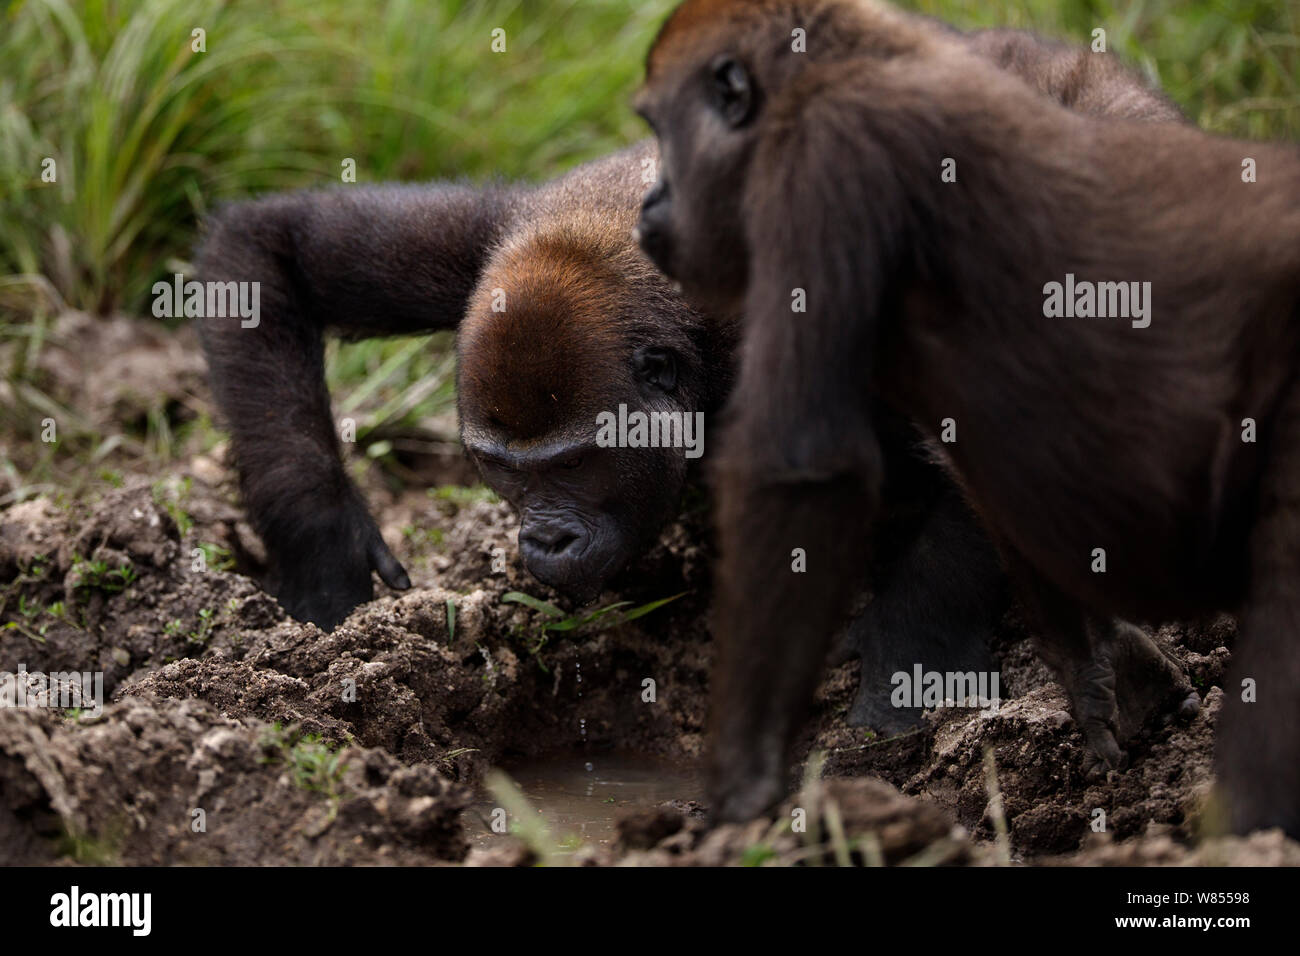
[584, 583]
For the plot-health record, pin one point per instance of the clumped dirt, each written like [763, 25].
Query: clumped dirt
[234, 734]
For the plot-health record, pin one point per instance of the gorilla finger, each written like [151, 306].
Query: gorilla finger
[389, 568]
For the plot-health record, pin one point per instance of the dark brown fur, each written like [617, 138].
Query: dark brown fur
[581, 305]
[1074, 433]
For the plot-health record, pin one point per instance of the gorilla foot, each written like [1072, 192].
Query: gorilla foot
[1152, 686]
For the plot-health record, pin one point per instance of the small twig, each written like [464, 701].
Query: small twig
[995, 808]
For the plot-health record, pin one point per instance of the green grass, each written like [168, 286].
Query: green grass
[313, 763]
[1232, 65]
[91, 849]
[98, 576]
[551, 620]
[148, 135]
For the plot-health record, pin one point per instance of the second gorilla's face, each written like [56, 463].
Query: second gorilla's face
[547, 386]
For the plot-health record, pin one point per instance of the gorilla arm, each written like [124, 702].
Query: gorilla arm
[362, 261]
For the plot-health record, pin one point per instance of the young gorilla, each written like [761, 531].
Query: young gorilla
[588, 324]
[1088, 444]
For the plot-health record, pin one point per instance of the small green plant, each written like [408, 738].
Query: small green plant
[29, 627]
[527, 823]
[170, 494]
[757, 855]
[574, 622]
[200, 634]
[98, 576]
[215, 557]
[203, 632]
[27, 610]
[37, 636]
[561, 623]
[90, 849]
[313, 763]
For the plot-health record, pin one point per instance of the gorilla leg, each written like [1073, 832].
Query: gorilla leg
[1081, 651]
[1258, 748]
[937, 605]
[771, 641]
[1118, 679]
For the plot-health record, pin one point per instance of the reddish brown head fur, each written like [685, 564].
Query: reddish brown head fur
[834, 27]
[554, 291]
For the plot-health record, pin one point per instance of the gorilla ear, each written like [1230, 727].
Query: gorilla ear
[733, 92]
[656, 366]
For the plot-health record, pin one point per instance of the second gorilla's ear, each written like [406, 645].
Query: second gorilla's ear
[656, 367]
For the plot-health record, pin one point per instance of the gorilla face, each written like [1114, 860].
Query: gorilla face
[535, 385]
[584, 511]
[691, 222]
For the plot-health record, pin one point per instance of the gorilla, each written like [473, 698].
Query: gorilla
[560, 318]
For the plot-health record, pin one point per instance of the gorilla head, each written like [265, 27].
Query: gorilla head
[567, 323]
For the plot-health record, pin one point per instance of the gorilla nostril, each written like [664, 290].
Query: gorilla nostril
[562, 543]
[551, 542]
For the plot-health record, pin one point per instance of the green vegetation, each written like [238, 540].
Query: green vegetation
[1232, 65]
[147, 135]
[460, 496]
[92, 850]
[215, 557]
[98, 576]
[170, 495]
[593, 620]
[200, 634]
[313, 763]
[528, 824]
[30, 627]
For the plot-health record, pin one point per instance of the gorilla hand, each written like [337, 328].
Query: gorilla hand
[323, 567]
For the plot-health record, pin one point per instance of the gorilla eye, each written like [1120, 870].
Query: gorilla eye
[656, 366]
[575, 462]
[732, 92]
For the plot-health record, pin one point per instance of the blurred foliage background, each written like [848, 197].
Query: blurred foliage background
[147, 134]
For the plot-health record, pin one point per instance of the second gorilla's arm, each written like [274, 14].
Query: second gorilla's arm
[363, 261]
